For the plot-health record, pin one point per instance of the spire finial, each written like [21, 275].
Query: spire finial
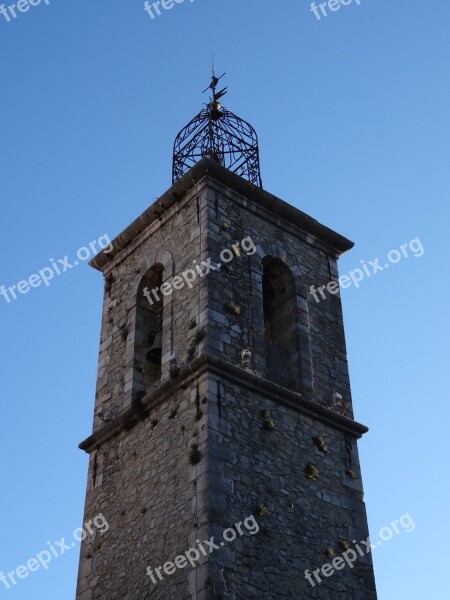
[213, 85]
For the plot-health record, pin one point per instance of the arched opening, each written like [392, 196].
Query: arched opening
[148, 332]
[280, 322]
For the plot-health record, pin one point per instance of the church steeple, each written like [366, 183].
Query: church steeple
[220, 135]
[223, 395]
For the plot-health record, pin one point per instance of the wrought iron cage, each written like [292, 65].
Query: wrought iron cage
[220, 135]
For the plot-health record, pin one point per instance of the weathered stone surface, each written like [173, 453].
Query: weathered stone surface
[159, 498]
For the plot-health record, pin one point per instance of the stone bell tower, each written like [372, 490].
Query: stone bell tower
[222, 394]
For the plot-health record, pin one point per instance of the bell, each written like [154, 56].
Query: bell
[154, 354]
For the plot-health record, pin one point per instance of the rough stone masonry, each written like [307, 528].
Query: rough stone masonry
[183, 449]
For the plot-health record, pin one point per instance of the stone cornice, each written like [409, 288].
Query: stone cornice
[207, 363]
[206, 167]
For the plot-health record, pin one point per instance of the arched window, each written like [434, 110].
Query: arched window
[280, 323]
[148, 334]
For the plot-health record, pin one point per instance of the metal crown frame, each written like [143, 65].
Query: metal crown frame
[220, 135]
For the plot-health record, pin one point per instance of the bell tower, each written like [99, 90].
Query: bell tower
[223, 399]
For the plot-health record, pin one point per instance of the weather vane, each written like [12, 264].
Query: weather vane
[215, 104]
[220, 135]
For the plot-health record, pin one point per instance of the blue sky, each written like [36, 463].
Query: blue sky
[352, 115]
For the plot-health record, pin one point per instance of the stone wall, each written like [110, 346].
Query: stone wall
[154, 500]
[322, 350]
[255, 439]
[175, 241]
[253, 466]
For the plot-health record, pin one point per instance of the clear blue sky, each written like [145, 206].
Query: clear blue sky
[352, 114]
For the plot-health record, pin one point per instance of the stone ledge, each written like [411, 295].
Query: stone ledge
[204, 168]
[207, 363]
